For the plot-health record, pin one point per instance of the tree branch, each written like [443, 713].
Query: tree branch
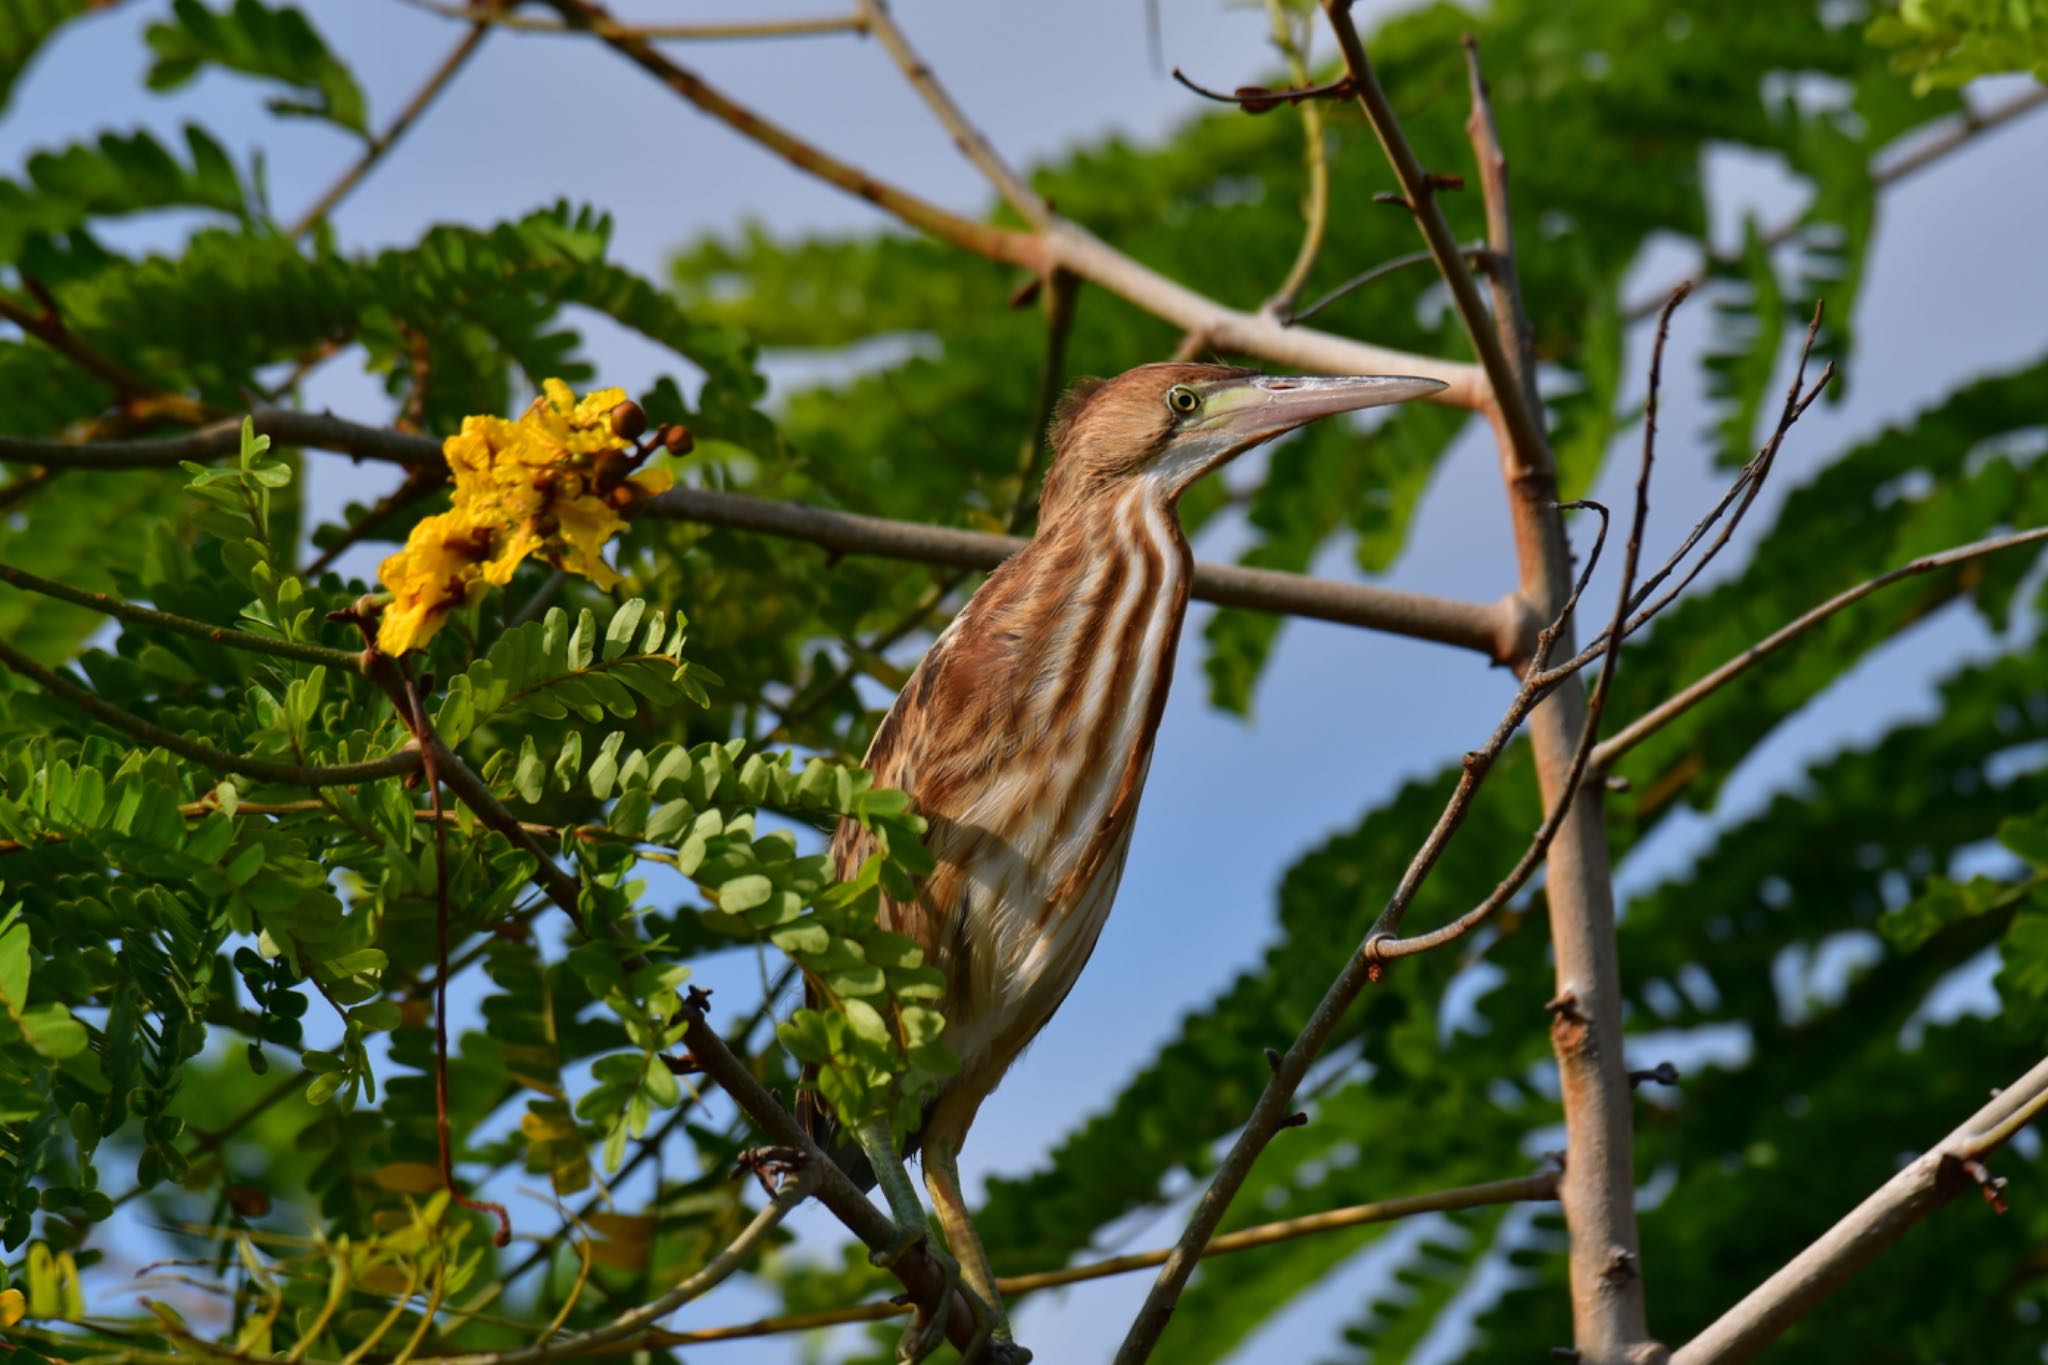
[1059, 244]
[1922, 1187]
[605, 27]
[1521, 423]
[225, 636]
[1315, 211]
[1491, 629]
[1540, 679]
[794, 1189]
[1968, 128]
[400, 764]
[1598, 1194]
[1541, 1186]
[1496, 630]
[975, 147]
[437, 80]
[137, 395]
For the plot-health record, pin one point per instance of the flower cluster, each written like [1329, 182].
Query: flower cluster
[552, 484]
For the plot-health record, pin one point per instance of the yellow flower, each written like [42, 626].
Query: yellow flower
[551, 484]
[440, 568]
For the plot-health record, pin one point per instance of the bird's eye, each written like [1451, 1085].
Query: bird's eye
[1183, 399]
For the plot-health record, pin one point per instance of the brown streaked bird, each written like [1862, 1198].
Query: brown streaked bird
[1026, 732]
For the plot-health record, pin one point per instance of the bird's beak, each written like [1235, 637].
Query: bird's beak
[1262, 407]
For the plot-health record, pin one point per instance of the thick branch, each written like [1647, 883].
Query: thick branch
[1922, 1187]
[1059, 244]
[1489, 629]
[1598, 1194]
[1495, 630]
[322, 431]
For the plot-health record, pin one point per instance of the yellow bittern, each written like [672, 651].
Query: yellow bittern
[1026, 732]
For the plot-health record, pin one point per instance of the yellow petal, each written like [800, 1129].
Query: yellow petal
[655, 479]
[560, 396]
[586, 525]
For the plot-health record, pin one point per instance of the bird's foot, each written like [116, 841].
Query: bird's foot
[908, 1238]
[927, 1329]
[992, 1343]
[992, 1346]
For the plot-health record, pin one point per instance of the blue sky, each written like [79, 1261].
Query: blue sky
[1343, 716]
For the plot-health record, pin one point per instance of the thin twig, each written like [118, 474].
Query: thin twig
[1315, 210]
[419, 483]
[400, 764]
[1364, 278]
[1530, 1188]
[1657, 717]
[1970, 126]
[969, 139]
[1922, 1187]
[1060, 293]
[27, 486]
[1520, 420]
[437, 80]
[1510, 318]
[605, 27]
[226, 636]
[1258, 99]
[431, 749]
[1540, 679]
[632, 1324]
[1741, 493]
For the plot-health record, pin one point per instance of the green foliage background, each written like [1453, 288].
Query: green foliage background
[157, 936]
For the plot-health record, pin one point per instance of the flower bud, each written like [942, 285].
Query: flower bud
[678, 440]
[628, 421]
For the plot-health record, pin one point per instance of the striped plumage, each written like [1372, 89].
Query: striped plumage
[1025, 734]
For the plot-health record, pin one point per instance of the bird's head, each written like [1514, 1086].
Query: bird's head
[1170, 424]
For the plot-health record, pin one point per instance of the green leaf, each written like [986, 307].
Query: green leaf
[274, 43]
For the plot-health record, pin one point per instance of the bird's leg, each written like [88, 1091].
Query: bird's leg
[942, 1178]
[904, 1206]
[927, 1325]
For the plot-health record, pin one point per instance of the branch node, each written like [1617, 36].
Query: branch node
[1992, 1187]
[1621, 1266]
[1299, 1119]
[1664, 1073]
[1273, 1058]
